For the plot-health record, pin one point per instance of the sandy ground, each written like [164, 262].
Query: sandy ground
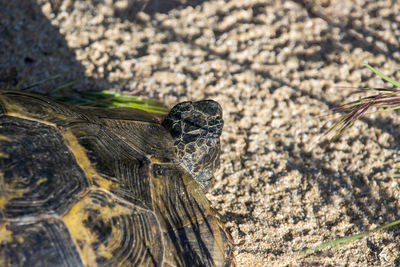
[273, 66]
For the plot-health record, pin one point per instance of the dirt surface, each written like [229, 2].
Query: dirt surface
[273, 66]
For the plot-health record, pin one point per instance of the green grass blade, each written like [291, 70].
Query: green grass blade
[383, 76]
[39, 83]
[104, 98]
[68, 84]
[107, 98]
[346, 240]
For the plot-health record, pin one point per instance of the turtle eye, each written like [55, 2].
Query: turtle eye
[176, 131]
[194, 122]
[190, 138]
[190, 127]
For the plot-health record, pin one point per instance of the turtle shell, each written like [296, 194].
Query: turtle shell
[98, 187]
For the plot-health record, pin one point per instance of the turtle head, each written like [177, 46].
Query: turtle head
[195, 128]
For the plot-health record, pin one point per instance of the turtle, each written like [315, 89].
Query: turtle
[90, 186]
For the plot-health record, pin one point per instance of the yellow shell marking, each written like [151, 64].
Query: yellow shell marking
[84, 162]
[4, 138]
[74, 222]
[84, 238]
[7, 193]
[5, 234]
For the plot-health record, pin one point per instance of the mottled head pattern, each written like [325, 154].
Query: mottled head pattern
[196, 128]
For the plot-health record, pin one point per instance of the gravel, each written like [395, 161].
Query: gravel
[276, 67]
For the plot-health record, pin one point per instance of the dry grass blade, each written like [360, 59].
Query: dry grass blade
[385, 99]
